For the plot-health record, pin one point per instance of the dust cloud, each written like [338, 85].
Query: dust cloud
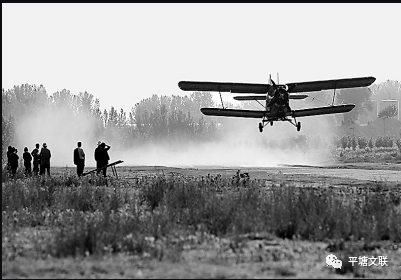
[241, 143]
[61, 132]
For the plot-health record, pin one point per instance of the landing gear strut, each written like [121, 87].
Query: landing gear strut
[264, 123]
[294, 123]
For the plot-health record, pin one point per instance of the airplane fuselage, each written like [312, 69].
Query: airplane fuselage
[277, 103]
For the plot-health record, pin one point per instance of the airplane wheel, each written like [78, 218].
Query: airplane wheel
[298, 126]
[271, 123]
[260, 127]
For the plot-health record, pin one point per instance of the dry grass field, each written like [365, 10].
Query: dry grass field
[204, 222]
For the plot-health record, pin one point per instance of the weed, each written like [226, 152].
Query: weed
[143, 218]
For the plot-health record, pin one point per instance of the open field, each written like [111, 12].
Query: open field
[324, 175]
[204, 222]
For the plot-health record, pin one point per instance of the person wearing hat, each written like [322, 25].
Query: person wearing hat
[45, 156]
[79, 159]
[103, 158]
[27, 161]
[35, 155]
[97, 154]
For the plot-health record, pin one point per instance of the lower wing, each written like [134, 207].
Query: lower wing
[235, 113]
[260, 113]
[323, 110]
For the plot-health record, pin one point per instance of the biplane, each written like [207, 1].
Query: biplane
[276, 98]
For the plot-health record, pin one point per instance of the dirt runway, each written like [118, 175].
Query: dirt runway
[358, 174]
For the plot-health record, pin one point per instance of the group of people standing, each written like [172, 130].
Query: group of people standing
[40, 158]
[101, 157]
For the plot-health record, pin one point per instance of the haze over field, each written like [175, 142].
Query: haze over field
[60, 132]
[242, 143]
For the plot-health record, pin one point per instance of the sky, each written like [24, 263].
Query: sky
[123, 53]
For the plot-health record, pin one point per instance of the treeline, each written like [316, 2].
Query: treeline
[316, 142]
[158, 119]
[175, 118]
[348, 142]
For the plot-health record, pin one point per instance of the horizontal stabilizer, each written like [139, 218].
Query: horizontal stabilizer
[297, 96]
[235, 113]
[263, 97]
[323, 110]
[250, 97]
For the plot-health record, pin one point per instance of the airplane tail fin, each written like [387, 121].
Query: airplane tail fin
[271, 82]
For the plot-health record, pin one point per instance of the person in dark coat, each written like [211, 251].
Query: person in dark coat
[44, 158]
[103, 157]
[27, 161]
[9, 152]
[35, 156]
[97, 155]
[79, 159]
[14, 161]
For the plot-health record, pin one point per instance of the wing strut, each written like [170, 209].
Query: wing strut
[222, 105]
[333, 96]
[260, 104]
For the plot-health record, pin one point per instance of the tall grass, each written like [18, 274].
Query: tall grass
[91, 216]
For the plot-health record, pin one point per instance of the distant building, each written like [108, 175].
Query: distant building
[385, 103]
[377, 107]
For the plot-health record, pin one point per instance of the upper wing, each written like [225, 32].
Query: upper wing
[330, 84]
[235, 113]
[323, 110]
[264, 88]
[224, 87]
[263, 97]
